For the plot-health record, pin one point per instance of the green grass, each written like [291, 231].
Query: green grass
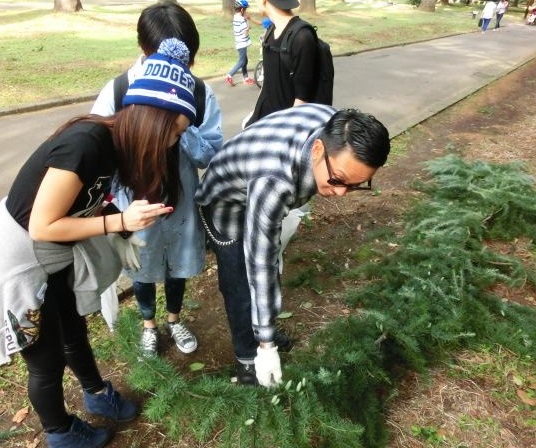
[14, 374]
[8, 434]
[428, 434]
[46, 55]
[504, 370]
[399, 145]
[503, 373]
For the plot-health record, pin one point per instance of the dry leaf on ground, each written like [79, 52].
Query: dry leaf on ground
[526, 398]
[21, 415]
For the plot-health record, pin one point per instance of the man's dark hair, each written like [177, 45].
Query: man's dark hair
[363, 133]
[163, 20]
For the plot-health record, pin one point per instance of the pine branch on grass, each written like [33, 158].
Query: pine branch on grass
[423, 301]
[288, 416]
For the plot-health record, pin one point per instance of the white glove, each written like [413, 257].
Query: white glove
[127, 249]
[268, 366]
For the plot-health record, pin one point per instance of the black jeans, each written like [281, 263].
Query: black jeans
[146, 296]
[63, 341]
[234, 286]
[498, 18]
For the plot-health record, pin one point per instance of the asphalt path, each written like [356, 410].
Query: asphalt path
[401, 86]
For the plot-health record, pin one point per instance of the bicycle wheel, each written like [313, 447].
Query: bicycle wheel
[258, 74]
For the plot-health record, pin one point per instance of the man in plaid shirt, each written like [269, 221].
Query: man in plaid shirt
[275, 165]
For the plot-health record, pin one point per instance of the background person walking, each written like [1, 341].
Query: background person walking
[242, 42]
[502, 6]
[285, 86]
[487, 14]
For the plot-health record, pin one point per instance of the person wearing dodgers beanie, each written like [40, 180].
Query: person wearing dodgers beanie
[166, 81]
[175, 246]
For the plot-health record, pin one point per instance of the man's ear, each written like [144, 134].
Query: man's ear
[317, 150]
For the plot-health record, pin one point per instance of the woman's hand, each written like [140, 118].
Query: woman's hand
[49, 219]
[140, 215]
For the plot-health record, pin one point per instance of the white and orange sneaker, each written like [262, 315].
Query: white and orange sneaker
[229, 80]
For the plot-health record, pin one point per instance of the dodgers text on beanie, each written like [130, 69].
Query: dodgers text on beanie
[165, 81]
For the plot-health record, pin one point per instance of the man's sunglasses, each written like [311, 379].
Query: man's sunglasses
[333, 181]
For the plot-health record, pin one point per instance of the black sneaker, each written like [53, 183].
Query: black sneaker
[245, 374]
[283, 341]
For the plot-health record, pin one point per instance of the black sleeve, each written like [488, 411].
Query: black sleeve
[79, 150]
[303, 53]
[85, 149]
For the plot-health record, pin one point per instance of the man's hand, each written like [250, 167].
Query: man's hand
[268, 366]
[127, 249]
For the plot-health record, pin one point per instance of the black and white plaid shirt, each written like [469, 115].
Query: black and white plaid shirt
[251, 185]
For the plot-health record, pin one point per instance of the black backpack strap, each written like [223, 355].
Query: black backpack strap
[200, 96]
[288, 38]
[285, 50]
[267, 34]
[120, 88]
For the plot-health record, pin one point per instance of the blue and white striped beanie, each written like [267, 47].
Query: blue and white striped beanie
[166, 81]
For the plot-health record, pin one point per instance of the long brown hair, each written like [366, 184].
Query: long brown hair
[146, 165]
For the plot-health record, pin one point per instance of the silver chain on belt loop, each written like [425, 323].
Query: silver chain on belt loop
[210, 234]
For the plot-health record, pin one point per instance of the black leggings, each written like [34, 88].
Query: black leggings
[63, 341]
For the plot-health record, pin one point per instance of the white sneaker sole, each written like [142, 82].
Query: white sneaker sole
[187, 350]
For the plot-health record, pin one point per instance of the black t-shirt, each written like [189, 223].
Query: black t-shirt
[85, 148]
[279, 88]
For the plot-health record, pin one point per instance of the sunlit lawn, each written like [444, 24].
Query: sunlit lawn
[46, 55]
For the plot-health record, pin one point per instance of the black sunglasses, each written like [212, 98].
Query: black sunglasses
[333, 181]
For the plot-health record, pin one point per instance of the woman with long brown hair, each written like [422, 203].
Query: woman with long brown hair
[58, 259]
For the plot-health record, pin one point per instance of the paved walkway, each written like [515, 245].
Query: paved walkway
[400, 85]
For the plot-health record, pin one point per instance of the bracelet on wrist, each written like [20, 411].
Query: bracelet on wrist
[125, 234]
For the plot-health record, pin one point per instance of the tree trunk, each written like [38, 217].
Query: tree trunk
[307, 6]
[427, 5]
[227, 7]
[68, 5]
[529, 4]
